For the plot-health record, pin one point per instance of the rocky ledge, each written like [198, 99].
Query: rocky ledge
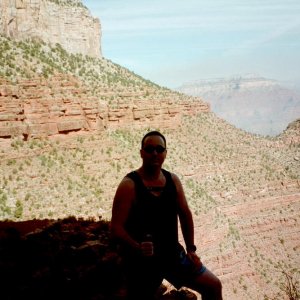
[63, 259]
[61, 104]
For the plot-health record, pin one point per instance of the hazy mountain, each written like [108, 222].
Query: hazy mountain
[255, 104]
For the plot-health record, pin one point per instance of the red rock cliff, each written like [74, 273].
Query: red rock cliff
[40, 108]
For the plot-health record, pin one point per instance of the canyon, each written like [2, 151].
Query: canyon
[70, 129]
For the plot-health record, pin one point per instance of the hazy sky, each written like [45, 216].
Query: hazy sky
[172, 42]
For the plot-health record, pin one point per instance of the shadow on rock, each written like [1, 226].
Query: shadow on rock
[63, 259]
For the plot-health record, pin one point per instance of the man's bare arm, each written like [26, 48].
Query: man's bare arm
[185, 215]
[122, 204]
[186, 222]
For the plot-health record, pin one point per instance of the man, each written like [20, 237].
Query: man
[146, 208]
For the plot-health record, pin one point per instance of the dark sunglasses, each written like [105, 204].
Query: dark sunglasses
[150, 149]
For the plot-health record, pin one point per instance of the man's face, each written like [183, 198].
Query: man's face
[153, 152]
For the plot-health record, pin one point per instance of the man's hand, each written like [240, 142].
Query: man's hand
[146, 248]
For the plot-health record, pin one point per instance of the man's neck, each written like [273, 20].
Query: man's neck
[150, 173]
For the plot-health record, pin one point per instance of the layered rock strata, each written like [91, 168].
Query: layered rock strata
[71, 26]
[41, 108]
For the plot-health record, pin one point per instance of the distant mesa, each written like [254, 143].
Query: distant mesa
[66, 22]
[252, 103]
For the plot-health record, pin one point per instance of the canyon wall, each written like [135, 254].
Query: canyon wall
[60, 105]
[67, 23]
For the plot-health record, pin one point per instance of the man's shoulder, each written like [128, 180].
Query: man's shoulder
[173, 176]
[133, 177]
[131, 174]
[127, 181]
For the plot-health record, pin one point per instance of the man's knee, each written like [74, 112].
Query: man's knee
[212, 288]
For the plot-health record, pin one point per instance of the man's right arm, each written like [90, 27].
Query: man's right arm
[122, 204]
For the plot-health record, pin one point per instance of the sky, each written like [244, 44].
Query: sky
[172, 42]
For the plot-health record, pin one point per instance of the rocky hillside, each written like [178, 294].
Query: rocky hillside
[65, 22]
[45, 91]
[243, 190]
[255, 104]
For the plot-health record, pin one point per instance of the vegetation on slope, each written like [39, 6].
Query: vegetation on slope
[221, 168]
[27, 59]
[225, 171]
[107, 81]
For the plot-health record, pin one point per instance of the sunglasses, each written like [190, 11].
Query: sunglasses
[150, 149]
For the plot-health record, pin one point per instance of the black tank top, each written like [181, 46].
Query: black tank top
[155, 215]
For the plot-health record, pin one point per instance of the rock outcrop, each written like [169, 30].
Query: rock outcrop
[61, 104]
[67, 23]
[292, 133]
[79, 261]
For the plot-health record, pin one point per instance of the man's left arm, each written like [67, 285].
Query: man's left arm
[186, 222]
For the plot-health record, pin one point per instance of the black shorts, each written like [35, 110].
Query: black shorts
[145, 274]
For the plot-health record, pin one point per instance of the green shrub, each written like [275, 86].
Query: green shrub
[19, 210]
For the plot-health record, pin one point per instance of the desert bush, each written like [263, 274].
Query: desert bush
[288, 285]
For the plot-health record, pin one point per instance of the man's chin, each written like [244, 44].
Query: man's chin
[155, 164]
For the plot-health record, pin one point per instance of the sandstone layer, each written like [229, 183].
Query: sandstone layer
[60, 105]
